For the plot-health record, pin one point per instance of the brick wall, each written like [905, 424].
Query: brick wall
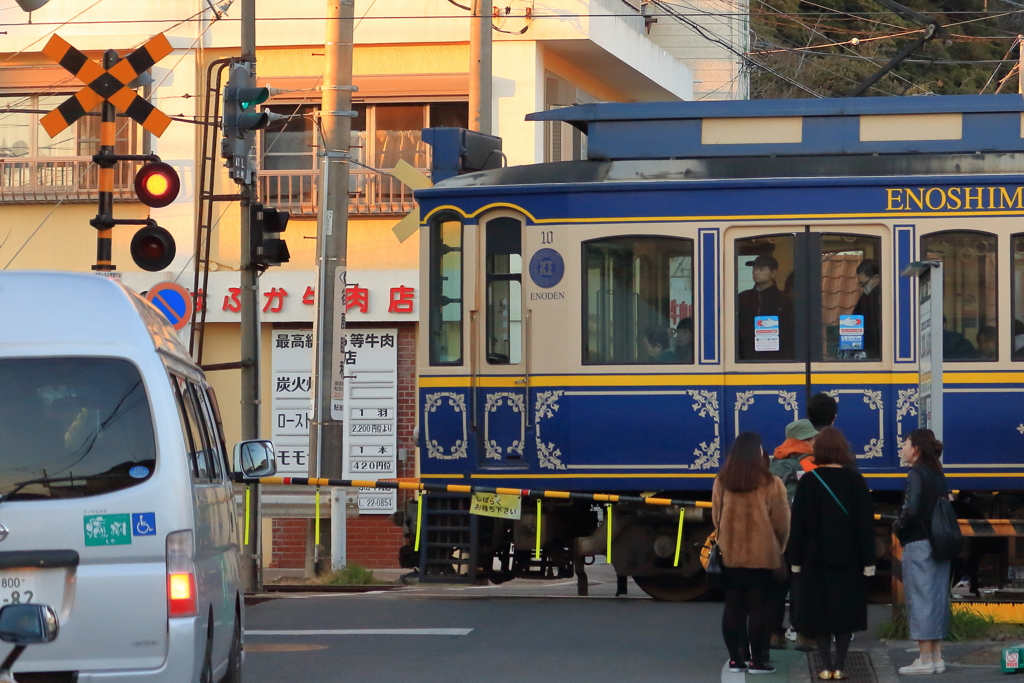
[289, 544]
[374, 540]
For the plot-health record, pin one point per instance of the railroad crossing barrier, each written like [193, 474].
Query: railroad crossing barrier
[1004, 611]
[421, 487]
[1010, 612]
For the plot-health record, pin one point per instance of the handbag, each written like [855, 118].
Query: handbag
[713, 569]
[944, 533]
[714, 559]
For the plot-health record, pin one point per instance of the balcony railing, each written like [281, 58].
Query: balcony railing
[370, 194]
[52, 179]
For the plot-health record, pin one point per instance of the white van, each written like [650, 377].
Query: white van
[116, 506]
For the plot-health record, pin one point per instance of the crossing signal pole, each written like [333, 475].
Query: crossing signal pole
[107, 85]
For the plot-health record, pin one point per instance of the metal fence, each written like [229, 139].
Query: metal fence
[370, 194]
[52, 179]
[76, 179]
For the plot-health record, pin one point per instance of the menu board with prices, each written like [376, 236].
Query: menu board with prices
[370, 444]
[292, 399]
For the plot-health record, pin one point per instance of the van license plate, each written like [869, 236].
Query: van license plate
[17, 588]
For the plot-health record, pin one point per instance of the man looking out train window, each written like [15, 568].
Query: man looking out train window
[763, 321]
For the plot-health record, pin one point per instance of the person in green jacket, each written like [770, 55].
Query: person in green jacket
[792, 459]
[788, 463]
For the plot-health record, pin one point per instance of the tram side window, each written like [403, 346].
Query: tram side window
[504, 291]
[970, 323]
[764, 299]
[1017, 277]
[851, 297]
[638, 301]
[446, 292]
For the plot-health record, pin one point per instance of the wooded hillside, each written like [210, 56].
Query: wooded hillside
[829, 46]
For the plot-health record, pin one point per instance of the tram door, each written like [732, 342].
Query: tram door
[501, 409]
[808, 315]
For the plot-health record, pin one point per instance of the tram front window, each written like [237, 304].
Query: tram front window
[504, 292]
[446, 292]
[969, 293]
[638, 301]
[764, 299]
[851, 297]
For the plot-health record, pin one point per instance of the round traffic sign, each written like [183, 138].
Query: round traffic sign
[174, 301]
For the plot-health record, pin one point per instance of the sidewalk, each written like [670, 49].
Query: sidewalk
[975, 662]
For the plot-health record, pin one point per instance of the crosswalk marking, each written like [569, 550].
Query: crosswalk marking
[367, 632]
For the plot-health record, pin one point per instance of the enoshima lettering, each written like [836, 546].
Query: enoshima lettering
[987, 198]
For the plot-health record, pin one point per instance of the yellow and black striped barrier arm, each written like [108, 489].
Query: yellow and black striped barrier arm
[460, 488]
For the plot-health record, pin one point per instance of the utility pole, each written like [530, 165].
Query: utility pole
[336, 114]
[480, 100]
[252, 569]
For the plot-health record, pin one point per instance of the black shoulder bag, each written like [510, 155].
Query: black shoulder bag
[944, 533]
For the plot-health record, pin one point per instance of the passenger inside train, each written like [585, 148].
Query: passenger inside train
[684, 341]
[762, 309]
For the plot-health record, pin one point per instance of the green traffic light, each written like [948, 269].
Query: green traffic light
[247, 97]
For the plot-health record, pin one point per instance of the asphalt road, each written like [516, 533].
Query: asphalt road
[519, 632]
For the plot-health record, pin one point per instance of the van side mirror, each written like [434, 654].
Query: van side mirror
[28, 624]
[255, 459]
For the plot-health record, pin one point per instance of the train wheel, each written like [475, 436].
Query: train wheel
[674, 588]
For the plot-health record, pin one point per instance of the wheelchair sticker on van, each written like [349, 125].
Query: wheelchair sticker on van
[107, 529]
[143, 524]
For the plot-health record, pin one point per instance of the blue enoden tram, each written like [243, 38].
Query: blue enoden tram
[587, 327]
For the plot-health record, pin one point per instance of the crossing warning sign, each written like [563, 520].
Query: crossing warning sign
[110, 85]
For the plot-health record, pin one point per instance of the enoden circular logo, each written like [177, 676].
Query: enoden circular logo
[547, 268]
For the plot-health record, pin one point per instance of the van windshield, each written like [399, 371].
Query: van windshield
[81, 426]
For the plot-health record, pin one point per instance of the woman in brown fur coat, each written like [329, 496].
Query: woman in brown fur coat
[750, 511]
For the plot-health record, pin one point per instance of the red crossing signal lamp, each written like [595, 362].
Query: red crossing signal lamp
[156, 185]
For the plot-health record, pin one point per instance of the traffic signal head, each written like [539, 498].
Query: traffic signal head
[240, 120]
[157, 184]
[153, 248]
[265, 227]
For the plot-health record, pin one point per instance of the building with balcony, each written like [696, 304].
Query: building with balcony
[411, 63]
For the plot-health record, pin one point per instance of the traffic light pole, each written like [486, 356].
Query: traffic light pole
[332, 244]
[252, 570]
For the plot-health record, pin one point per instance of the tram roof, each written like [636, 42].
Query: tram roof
[806, 127]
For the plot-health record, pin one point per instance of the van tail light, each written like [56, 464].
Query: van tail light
[182, 600]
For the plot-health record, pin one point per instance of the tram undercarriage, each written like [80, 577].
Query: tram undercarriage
[643, 546]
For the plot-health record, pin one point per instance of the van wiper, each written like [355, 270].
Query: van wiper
[44, 480]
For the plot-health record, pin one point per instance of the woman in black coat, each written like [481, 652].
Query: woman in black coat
[832, 547]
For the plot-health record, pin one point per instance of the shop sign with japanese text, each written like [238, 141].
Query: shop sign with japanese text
[290, 295]
[291, 360]
[369, 366]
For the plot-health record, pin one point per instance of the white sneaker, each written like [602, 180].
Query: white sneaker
[919, 668]
[791, 634]
[940, 666]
